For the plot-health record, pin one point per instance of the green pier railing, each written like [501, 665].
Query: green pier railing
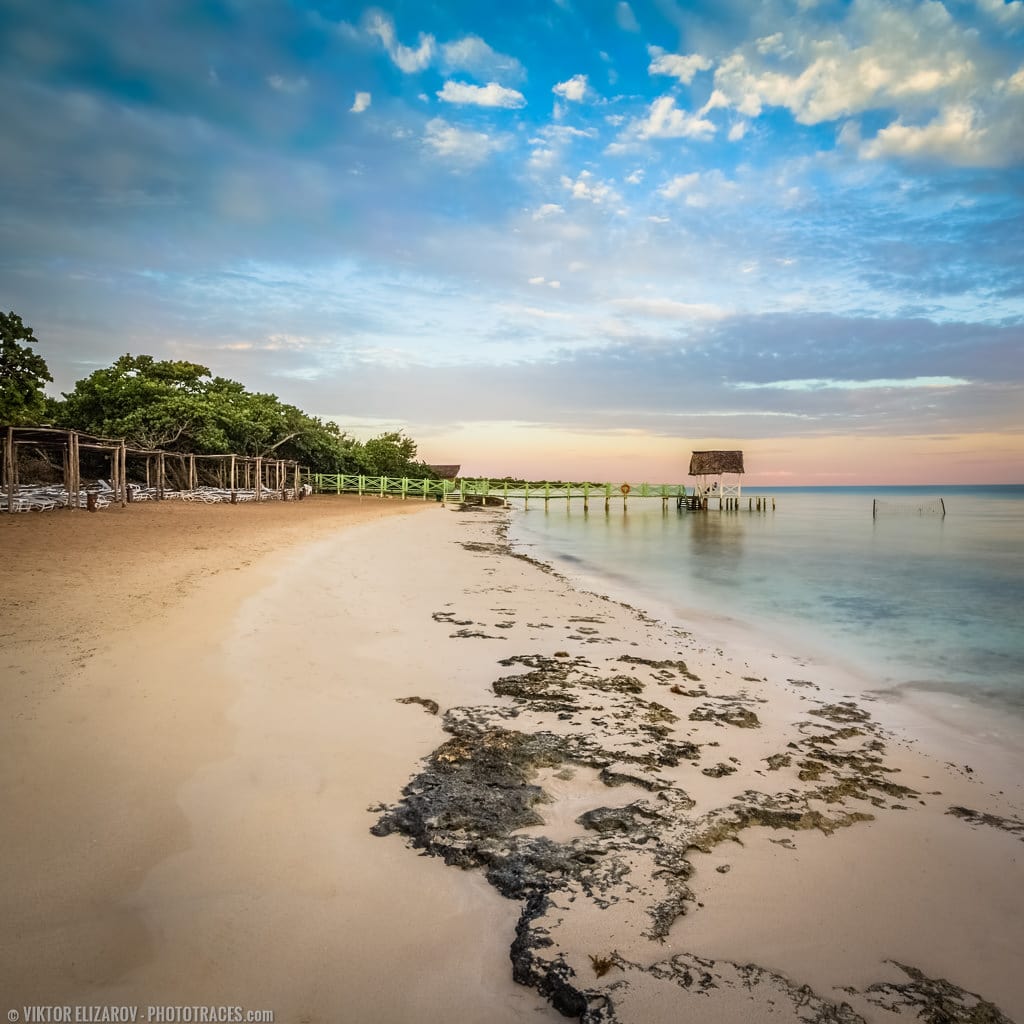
[546, 491]
[406, 487]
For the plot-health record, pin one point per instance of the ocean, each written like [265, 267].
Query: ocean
[910, 599]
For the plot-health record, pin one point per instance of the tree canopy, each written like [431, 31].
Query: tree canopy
[175, 405]
[22, 373]
[180, 406]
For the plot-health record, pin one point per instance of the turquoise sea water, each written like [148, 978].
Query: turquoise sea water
[920, 600]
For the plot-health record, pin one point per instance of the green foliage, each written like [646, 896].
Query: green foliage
[392, 454]
[22, 374]
[179, 406]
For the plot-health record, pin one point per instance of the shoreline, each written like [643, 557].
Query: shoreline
[204, 811]
[932, 715]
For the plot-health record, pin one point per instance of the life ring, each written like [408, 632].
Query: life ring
[625, 488]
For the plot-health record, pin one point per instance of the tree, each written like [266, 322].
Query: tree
[152, 403]
[22, 374]
[392, 454]
[179, 406]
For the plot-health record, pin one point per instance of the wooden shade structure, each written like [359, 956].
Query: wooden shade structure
[715, 463]
[231, 470]
[710, 468]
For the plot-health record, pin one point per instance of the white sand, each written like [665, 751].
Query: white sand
[187, 818]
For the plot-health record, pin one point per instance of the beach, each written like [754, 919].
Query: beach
[354, 759]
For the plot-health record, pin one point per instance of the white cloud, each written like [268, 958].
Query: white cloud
[670, 309]
[831, 384]
[471, 54]
[536, 280]
[490, 95]
[636, 176]
[666, 121]
[362, 102]
[772, 44]
[1011, 13]
[543, 158]
[586, 187]
[737, 131]
[408, 59]
[459, 146]
[554, 284]
[625, 17]
[563, 132]
[678, 185]
[289, 86]
[680, 66]
[533, 311]
[953, 136]
[574, 89]
[909, 59]
[547, 210]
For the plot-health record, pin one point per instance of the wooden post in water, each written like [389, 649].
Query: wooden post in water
[586, 496]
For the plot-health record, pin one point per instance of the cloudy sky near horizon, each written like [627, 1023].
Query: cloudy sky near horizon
[559, 237]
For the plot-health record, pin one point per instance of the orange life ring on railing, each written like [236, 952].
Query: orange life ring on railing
[624, 488]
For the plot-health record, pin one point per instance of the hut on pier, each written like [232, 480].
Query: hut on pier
[445, 472]
[718, 474]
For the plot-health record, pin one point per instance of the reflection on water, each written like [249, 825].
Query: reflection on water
[909, 597]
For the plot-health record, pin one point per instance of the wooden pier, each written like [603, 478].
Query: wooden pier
[480, 491]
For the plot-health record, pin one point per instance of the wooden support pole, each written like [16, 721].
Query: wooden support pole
[259, 478]
[76, 470]
[124, 474]
[9, 467]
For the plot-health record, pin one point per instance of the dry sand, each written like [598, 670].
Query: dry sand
[200, 707]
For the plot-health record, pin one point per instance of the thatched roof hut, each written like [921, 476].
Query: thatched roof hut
[714, 463]
[445, 472]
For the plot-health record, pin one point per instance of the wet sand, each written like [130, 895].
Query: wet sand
[202, 724]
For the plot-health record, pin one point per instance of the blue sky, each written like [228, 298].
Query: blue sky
[555, 235]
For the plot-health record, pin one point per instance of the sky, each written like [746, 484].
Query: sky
[553, 238]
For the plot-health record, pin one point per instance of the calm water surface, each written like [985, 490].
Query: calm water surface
[930, 601]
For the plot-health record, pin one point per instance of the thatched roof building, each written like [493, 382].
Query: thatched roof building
[714, 463]
[445, 472]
